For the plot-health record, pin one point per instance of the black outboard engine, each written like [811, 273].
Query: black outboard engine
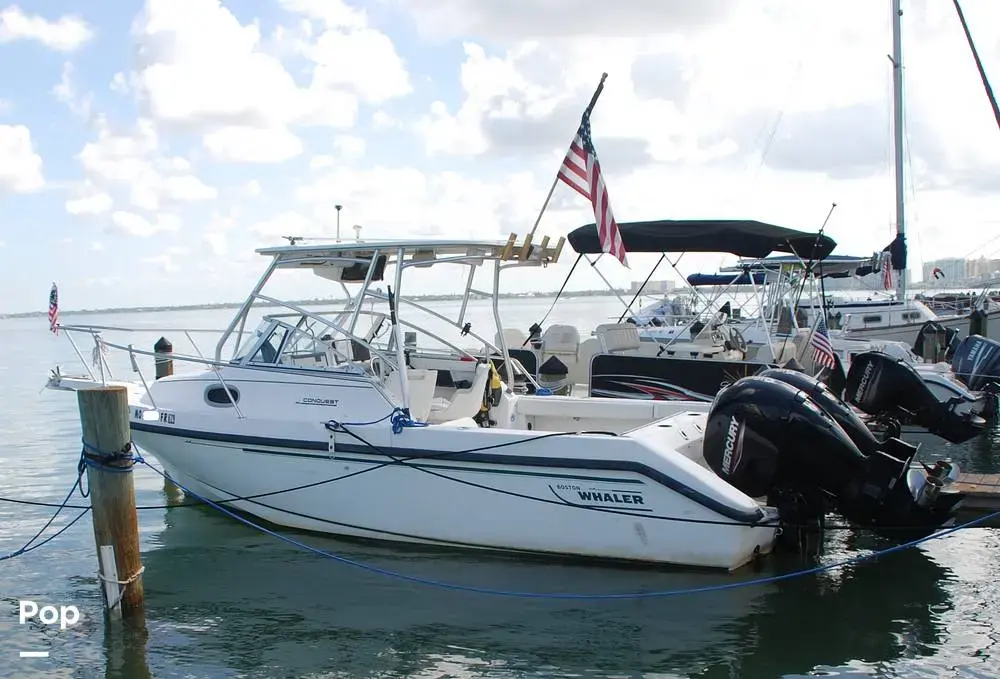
[976, 362]
[886, 387]
[769, 438]
[841, 413]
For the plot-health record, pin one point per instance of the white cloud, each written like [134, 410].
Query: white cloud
[65, 92]
[137, 225]
[65, 34]
[97, 246]
[216, 237]
[89, 201]
[521, 19]
[20, 165]
[365, 60]
[131, 162]
[252, 188]
[201, 69]
[350, 147]
[244, 144]
[331, 13]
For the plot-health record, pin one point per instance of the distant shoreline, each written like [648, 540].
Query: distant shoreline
[302, 302]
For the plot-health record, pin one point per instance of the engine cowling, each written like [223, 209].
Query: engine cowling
[842, 414]
[768, 437]
[883, 385]
[976, 362]
[763, 433]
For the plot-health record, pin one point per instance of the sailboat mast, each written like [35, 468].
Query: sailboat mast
[897, 130]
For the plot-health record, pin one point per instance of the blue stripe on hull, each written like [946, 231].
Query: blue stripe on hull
[479, 457]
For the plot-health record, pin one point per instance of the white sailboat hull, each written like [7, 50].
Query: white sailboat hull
[908, 333]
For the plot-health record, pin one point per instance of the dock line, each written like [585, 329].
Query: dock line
[570, 596]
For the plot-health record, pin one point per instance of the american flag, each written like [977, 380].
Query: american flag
[887, 270]
[822, 349]
[582, 172]
[54, 309]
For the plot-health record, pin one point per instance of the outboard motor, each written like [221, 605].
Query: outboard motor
[884, 386]
[976, 362]
[841, 413]
[767, 437]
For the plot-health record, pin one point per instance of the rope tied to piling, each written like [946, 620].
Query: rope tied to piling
[121, 461]
[122, 584]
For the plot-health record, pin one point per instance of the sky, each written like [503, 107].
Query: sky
[147, 148]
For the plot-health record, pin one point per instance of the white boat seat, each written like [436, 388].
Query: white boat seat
[460, 422]
[463, 402]
[616, 337]
[512, 337]
[561, 340]
[421, 383]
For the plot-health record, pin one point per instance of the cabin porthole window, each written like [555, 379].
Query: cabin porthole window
[216, 396]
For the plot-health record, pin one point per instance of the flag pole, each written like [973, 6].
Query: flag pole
[555, 182]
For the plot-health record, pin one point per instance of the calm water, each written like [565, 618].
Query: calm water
[226, 601]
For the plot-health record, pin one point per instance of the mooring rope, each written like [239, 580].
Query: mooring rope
[439, 584]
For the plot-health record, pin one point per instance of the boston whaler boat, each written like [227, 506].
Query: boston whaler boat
[351, 431]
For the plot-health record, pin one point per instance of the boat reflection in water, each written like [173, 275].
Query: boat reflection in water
[223, 598]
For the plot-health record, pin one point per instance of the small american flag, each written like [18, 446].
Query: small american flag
[887, 270]
[54, 309]
[822, 348]
[582, 172]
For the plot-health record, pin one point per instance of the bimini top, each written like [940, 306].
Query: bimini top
[709, 279]
[744, 238]
[833, 266]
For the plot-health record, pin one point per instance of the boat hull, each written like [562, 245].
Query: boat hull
[587, 506]
[908, 333]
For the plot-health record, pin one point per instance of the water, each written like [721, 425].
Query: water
[226, 601]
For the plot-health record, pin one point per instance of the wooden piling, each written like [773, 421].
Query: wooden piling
[163, 361]
[104, 418]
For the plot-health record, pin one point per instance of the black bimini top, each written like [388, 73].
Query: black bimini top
[744, 238]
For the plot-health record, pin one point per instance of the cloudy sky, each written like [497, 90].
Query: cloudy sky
[147, 148]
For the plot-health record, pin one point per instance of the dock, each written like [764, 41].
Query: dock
[982, 497]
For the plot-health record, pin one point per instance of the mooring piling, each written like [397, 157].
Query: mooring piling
[164, 362]
[104, 418]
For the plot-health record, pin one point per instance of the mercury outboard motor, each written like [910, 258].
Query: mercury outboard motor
[842, 414]
[887, 387]
[769, 438]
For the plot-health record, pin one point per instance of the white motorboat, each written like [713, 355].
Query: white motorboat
[330, 422]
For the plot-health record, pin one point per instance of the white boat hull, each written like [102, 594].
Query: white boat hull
[641, 494]
[512, 506]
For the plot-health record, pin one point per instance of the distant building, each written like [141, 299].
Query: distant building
[982, 268]
[653, 287]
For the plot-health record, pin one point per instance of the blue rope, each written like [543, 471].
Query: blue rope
[573, 596]
[399, 418]
[27, 546]
[90, 456]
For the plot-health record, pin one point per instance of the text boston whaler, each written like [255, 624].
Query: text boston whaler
[340, 405]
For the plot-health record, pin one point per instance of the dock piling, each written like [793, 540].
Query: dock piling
[104, 418]
[163, 361]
